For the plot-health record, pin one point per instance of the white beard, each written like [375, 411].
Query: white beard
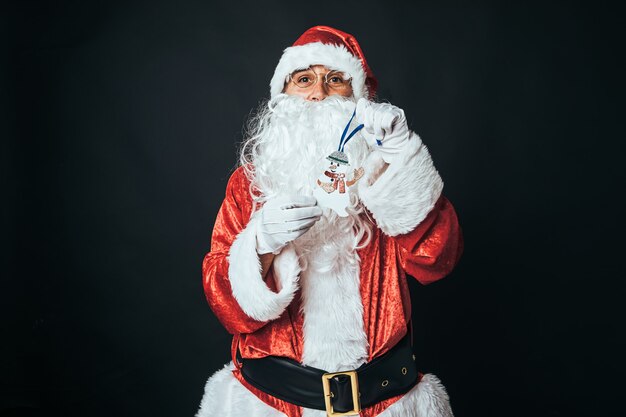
[297, 137]
[288, 153]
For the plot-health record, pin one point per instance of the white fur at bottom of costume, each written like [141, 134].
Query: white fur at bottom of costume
[224, 396]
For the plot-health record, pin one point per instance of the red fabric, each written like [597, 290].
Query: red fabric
[329, 35]
[428, 253]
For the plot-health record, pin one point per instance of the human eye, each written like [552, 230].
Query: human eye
[336, 78]
[303, 78]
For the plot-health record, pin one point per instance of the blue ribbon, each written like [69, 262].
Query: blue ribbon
[344, 139]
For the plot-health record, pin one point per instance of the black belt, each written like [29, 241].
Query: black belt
[386, 376]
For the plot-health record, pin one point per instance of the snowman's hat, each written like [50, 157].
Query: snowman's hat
[338, 157]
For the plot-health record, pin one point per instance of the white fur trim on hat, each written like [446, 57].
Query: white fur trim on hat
[333, 57]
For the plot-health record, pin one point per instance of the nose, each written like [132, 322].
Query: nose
[319, 91]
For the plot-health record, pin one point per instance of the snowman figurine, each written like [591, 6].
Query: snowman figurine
[332, 185]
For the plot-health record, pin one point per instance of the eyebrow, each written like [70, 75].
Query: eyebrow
[298, 71]
[302, 70]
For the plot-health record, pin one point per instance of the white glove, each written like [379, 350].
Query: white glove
[284, 219]
[384, 122]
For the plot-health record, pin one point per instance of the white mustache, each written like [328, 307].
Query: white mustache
[298, 109]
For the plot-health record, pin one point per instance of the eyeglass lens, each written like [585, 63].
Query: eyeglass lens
[336, 80]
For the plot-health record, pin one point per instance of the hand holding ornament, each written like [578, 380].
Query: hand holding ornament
[385, 127]
[284, 219]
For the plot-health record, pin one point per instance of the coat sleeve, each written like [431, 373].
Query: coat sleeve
[237, 293]
[405, 198]
[431, 250]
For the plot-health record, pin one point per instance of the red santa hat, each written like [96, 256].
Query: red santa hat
[336, 50]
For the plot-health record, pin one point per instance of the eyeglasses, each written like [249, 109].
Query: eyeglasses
[307, 78]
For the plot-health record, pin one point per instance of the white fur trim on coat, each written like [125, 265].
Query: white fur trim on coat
[401, 196]
[224, 396]
[255, 298]
[333, 330]
[334, 57]
[427, 399]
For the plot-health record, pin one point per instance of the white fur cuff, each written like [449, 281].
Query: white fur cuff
[403, 195]
[255, 298]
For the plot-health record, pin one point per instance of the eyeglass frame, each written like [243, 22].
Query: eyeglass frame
[290, 78]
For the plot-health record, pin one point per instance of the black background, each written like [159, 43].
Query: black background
[120, 130]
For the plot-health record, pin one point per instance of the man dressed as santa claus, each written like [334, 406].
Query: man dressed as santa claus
[335, 204]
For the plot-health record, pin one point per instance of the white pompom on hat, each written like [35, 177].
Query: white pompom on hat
[336, 50]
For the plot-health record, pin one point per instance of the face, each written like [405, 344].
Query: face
[320, 89]
[338, 168]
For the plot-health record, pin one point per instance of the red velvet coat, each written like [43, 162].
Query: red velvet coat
[427, 253]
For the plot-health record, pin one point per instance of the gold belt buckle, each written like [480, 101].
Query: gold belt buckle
[356, 403]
